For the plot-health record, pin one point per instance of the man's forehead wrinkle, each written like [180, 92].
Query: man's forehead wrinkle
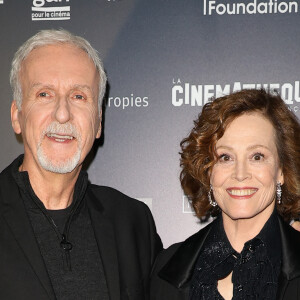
[70, 87]
[39, 84]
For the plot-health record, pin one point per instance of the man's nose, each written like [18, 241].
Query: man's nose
[62, 112]
[241, 171]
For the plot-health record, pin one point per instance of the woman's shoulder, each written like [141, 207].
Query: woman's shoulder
[174, 267]
[165, 255]
[192, 243]
[177, 258]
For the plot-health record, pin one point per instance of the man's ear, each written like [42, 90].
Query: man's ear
[99, 128]
[14, 114]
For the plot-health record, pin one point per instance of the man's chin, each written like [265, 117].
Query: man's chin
[62, 166]
[58, 169]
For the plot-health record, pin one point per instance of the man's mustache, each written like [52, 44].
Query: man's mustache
[62, 129]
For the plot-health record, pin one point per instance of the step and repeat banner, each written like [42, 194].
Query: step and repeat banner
[164, 60]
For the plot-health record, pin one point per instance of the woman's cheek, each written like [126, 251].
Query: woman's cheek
[219, 176]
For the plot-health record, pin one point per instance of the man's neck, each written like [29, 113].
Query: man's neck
[53, 189]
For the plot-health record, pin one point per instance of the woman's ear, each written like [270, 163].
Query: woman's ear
[280, 177]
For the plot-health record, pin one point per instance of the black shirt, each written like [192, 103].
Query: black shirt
[67, 242]
[255, 270]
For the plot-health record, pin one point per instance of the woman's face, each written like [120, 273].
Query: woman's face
[247, 170]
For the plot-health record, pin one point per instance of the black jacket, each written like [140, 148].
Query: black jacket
[125, 234]
[174, 267]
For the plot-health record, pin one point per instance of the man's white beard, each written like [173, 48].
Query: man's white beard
[67, 165]
[58, 167]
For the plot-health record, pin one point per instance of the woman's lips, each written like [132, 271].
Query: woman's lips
[241, 193]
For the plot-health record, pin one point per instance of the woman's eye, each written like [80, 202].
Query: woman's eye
[258, 156]
[224, 158]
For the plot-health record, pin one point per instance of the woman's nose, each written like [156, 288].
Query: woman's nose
[241, 171]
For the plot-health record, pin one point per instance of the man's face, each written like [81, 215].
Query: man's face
[59, 117]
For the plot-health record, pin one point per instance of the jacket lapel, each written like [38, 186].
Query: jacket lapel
[290, 268]
[15, 215]
[290, 250]
[282, 284]
[105, 237]
[179, 269]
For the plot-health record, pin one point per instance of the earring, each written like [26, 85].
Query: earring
[212, 202]
[278, 192]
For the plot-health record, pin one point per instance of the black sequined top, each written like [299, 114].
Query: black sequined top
[255, 270]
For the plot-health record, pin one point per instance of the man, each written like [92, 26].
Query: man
[61, 237]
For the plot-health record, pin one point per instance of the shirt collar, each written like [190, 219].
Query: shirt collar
[270, 236]
[217, 239]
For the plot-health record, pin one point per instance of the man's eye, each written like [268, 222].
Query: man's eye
[43, 94]
[79, 97]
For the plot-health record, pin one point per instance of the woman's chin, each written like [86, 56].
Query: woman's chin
[241, 214]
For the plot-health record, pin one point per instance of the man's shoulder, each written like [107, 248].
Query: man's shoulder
[6, 175]
[125, 213]
[13, 166]
[112, 199]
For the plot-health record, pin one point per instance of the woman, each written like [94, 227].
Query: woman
[240, 163]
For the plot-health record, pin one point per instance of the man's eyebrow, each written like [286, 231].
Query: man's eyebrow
[51, 86]
[81, 87]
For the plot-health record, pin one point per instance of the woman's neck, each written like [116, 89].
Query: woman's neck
[240, 231]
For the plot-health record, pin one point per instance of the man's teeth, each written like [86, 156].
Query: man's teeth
[244, 192]
[60, 138]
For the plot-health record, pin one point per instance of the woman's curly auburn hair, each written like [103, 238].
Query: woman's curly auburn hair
[198, 154]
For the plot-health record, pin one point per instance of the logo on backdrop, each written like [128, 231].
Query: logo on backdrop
[126, 102]
[211, 7]
[50, 10]
[187, 207]
[185, 93]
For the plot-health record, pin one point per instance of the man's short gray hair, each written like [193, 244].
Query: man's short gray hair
[50, 37]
